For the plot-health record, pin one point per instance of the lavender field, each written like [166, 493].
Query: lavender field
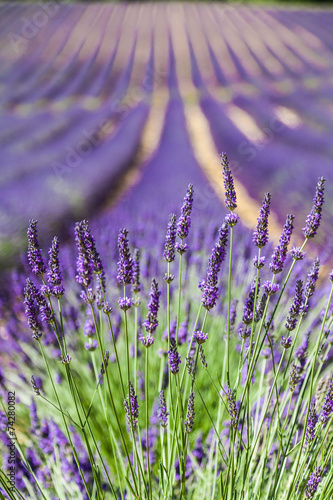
[175, 343]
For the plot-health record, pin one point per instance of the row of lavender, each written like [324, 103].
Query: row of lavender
[78, 82]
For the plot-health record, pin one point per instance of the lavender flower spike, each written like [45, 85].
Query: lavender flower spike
[184, 221]
[280, 252]
[170, 240]
[54, 273]
[312, 279]
[232, 407]
[190, 414]
[136, 271]
[31, 309]
[312, 422]
[132, 409]
[313, 219]
[174, 357]
[83, 263]
[260, 235]
[162, 410]
[295, 307]
[327, 408]
[313, 483]
[151, 323]
[125, 263]
[35, 257]
[230, 193]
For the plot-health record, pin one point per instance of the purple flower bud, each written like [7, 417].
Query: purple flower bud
[202, 356]
[34, 386]
[190, 414]
[295, 308]
[136, 271]
[297, 253]
[31, 309]
[91, 346]
[170, 239]
[270, 288]
[230, 193]
[280, 252]
[162, 410]
[35, 257]
[313, 219]
[200, 337]
[83, 263]
[231, 219]
[66, 360]
[154, 303]
[181, 247]
[327, 408]
[54, 273]
[286, 342]
[260, 235]
[249, 304]
[259, 264]
[147, 341]
[125, 303]
[174, 357]
[232, 407]
[184, 221]
[125, 263]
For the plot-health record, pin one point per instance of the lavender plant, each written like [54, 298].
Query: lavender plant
[215, 384]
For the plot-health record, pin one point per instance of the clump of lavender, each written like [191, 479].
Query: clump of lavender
[162, 410]
[131, 408]
[280, 252]
[209, 286]
[313, 483]
[260, 235]
[190, 414]
[174, 357]
[35, 256]
[314, 217]
[230, 193]
[125, 274]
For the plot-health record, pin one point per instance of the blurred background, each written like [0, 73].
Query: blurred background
[108, 103]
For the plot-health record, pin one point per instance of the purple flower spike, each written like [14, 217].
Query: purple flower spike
[230, 193]
[54, 273]
[125, 263]
[313, 483]
[35, 257]
[154, 303]
[132, 410]
[83, 264]
[232, 407]
[231, 219]
[174, 357]
[209, 286]
[170, 239]
[280, 252]
[249, 304]
[260, 235]
[313, 275]
[312, 422]
[200, 337]
[162, 410]
[184, 221]
[190, 414]
[313, 219]
[286, 342]
[34, 386]
[295, 308]
[327, 408]
[270, 288]
[136, 271]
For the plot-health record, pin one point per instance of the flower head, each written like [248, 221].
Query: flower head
[232, 407]
[54, 273]
[151, 322]
[312, 422]
[313, 483]
[174, 357]
[295, 308]
[170, 239]
[131, 407]
[280, 252]
[136, 271]
[313, 275]
[162, 410]
[190, 414]
[125, 263]
[201, 337]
